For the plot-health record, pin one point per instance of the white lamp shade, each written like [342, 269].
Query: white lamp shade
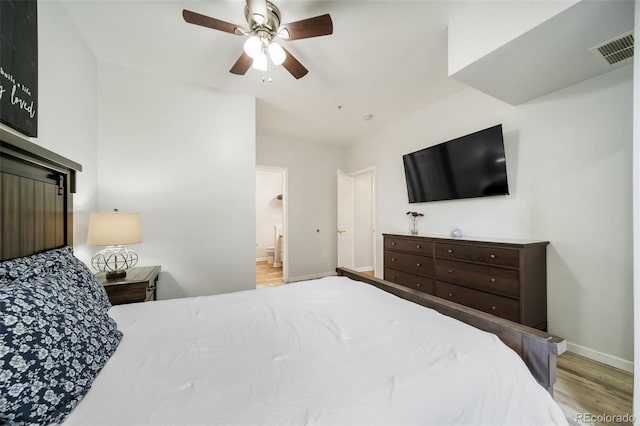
[112, 229]
[260, 62]
[253, 47]
[277, 54]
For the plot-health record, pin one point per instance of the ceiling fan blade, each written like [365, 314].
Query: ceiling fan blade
[294, 66]
[242, 65]
[258, 9]
[209, 22]
[311, 27]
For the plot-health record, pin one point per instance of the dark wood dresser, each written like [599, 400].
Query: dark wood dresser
[506, 278]
[138, 286]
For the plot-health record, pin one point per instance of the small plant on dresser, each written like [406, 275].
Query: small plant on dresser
[414, 218]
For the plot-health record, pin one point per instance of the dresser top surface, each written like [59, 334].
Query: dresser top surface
[447, 238]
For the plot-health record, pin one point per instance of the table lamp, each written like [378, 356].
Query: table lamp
[114, 230]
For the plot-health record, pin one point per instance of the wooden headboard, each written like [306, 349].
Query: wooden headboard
[36, 187]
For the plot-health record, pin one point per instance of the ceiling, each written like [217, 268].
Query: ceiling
[385, 58]
[566, 43]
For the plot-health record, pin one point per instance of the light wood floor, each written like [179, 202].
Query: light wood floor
[587, 386]
[267, 275]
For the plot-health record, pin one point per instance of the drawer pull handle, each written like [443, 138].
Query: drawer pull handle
[393, 259]
[493, 256]
[418, 285]
[493, 308]
[393, 243]
[449, 251]
[418, 246]
[451, 271]
[418, 265]
[450, 294]
[493, 280]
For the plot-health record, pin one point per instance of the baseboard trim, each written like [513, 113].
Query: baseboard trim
[364, 268]
[311, 277]
[261, 259]
[611, 360]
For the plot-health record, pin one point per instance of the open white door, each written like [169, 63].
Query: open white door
[345, 220]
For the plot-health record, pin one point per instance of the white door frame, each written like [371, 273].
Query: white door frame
[369, 170]
[285, 215]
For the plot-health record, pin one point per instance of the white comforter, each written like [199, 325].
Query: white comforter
[323, 352]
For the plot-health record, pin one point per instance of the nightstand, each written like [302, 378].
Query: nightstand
[138, 286]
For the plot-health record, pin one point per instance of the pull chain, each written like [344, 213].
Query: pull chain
[266, 75]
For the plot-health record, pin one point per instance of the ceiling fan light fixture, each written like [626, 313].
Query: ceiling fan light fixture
[264, 25]
[260, 62]
[253, 47]
[277, 54]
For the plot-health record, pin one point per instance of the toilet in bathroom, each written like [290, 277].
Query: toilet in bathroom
[270, 254]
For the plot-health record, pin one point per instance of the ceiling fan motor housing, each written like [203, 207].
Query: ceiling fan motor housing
[269, 26]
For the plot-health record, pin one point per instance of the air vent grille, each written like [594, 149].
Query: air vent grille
[617, 50]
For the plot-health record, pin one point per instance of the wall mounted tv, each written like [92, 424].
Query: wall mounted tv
[466, 167]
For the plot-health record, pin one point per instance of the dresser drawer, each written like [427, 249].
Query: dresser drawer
[409, 245]
[415, 282]
[129, 293]
[410, 263]
[139, 285]
[497, 305]
[486, 278]
[491, 255]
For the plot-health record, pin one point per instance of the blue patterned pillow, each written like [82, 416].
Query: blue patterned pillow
[60, 259]
[53, 343]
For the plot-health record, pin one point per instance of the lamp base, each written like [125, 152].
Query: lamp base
[114, 261]
[114, 275]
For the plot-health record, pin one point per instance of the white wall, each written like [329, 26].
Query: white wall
[311, 201]
[269, 210]
[487, 26]
[183, 156]
[636, 220]
[67, 117]
[569, 168]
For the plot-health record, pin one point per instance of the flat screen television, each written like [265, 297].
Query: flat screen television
[466, 167]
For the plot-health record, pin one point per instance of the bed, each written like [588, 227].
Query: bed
[344, 350]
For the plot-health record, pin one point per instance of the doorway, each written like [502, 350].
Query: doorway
[356, 220]
[272, 266]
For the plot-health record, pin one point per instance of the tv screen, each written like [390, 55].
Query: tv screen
[467, 167]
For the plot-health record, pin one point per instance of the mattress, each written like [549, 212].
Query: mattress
[323, 352]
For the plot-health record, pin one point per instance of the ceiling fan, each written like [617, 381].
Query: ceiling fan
[260, 49]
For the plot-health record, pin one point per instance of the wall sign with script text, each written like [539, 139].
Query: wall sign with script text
[19, 65]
